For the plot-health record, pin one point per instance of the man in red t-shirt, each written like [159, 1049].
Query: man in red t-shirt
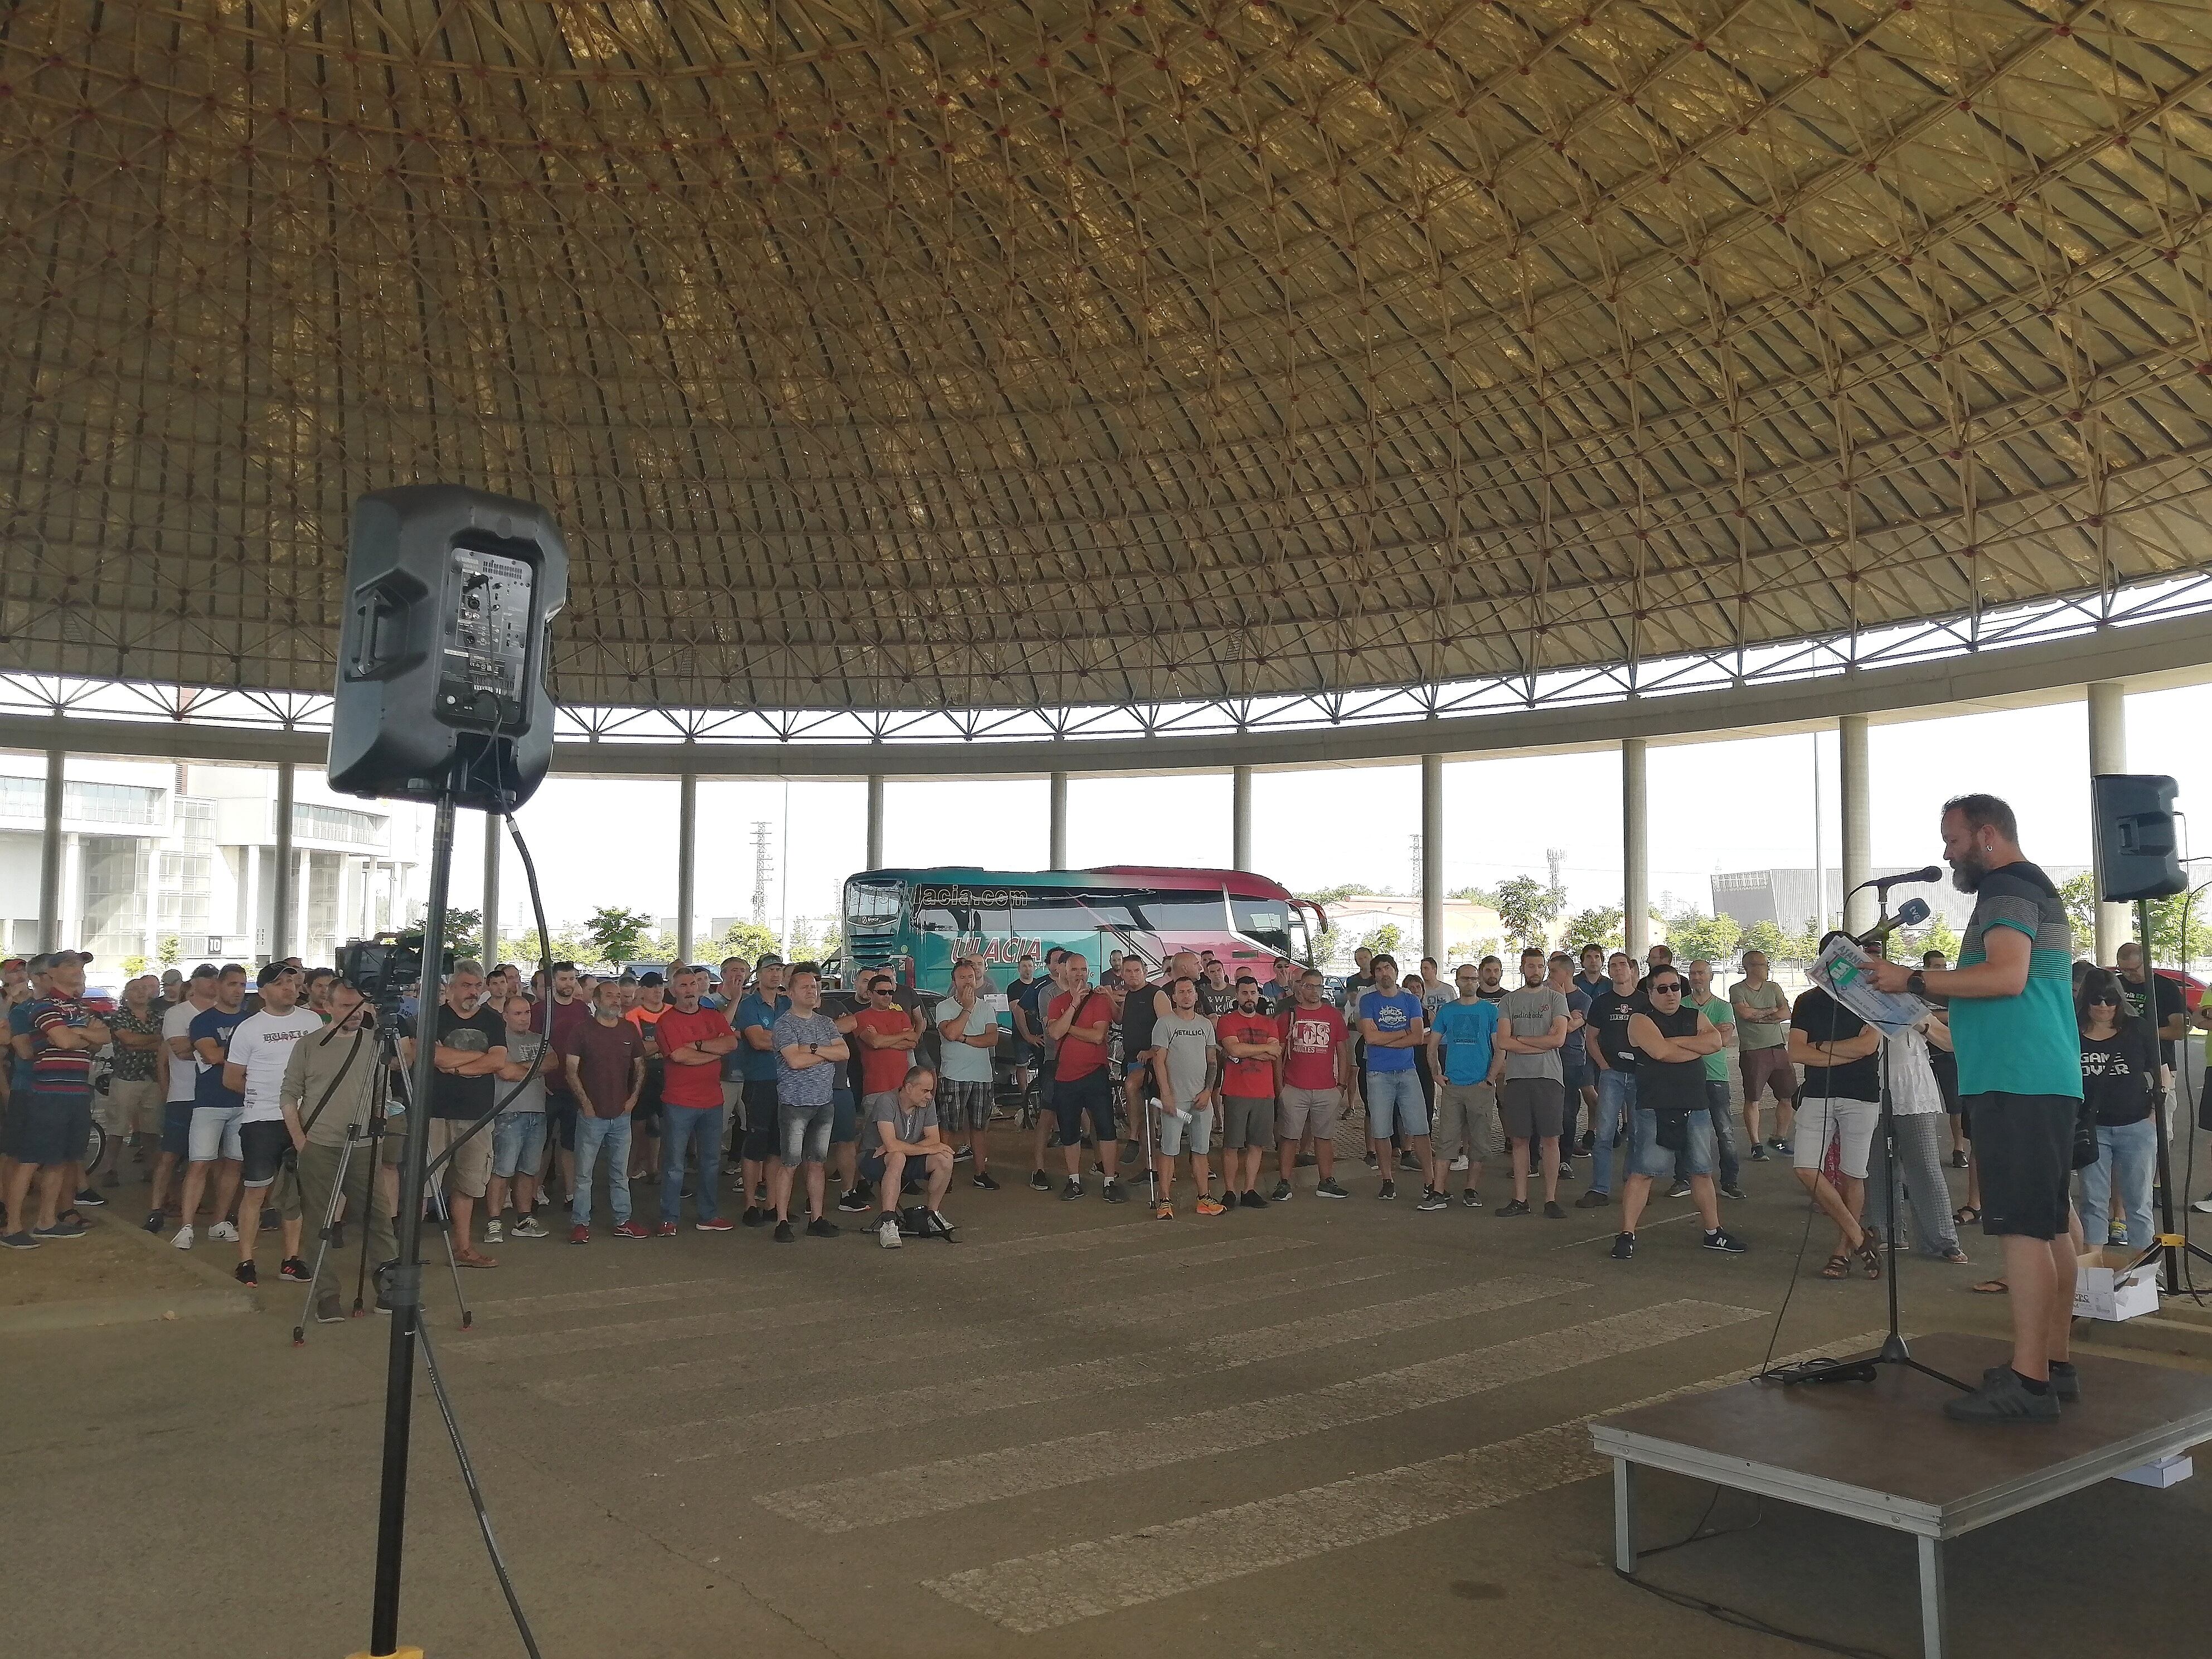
[1078, 1020]
[888, 1036]
[1250, 1045]
[1316, 1071]
[692, 1041]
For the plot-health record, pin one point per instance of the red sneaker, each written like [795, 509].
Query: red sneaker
[633, 1229]
[580, 1235]
[666, 1229]
[719, 1224]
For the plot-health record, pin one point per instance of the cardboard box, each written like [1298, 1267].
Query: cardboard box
[2105, 1288]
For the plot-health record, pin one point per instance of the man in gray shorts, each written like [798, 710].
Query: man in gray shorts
[1533, 1103]
[1250, 1045]
[1184, 1051]
[1316, 1073]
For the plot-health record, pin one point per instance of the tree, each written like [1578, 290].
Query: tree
[1527, 907]
[1696, 936]
[462, 929]
[171, 950]
[616, 934]
[1763, 937]
[2079, 894]
[1600, 928]
[1326, 897]
[740, 939]
[1383, 941]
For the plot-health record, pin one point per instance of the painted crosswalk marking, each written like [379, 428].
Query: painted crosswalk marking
[1041, 1592]
[882, 1498]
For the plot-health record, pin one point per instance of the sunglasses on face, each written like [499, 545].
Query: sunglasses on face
[2103, 1002]
[1672, 988]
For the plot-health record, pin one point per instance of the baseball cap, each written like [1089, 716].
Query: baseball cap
[771, 960]
[273, 971]
[206, 970]
[649, 978]
[47, 959]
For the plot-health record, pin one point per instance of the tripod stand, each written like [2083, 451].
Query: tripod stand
[2170, 1243]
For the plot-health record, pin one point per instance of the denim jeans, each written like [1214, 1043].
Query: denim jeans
[593, 1133]
[681, 1128]
[1616, 1099]
[2130, 1149]
[1717, 1108]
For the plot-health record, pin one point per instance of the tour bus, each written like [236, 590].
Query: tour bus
[918, 923]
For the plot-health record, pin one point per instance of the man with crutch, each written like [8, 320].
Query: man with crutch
[328, 1096]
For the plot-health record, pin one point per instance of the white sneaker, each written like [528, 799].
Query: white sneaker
[495, 1231]
[887, 1232]
[1460, 1162]
[529, 1227]
[182, 1240]
[224, 1231]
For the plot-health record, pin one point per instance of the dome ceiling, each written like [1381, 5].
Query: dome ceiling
[887, 355]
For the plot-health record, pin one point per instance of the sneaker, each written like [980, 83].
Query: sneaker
[1407, 1161]
[666, 1229]
[1566, 1168]
[1758, 1154]
[852, 1203]
[2003, 1398]
[1593, 1199]
[529, 1227]
[1733, 1189]
[1303, 1161]
[1778, 1143]
[1251, 1200]
[822, 1227]
[270, 1221]
[62, 1228]
[90, 1200]
[496, 1232]
[760, 1191]
[632, 1230]
[934, 1225]
[1623, 1247]
[1471, 1199]
[1283, 1193]
[1113, 1192]
[1459, 1163]
[1679, 1189]
[1513, 1207]
[887, 1232]
[294, 1269]
[1786, 1150]
[1215, 1206]
[1725, 1242]
[2066, 1382]
[580, 1235]
[754, 1216]
[224, 1232]
[1958, 1160]
[720, 1223]
[1554, 1209]
[1390, 1190]
[19, 1241]
[1327, 1188]
[155, 1222]
[1071, 1189]
[2203, 1206]
[1373, 1163]
[985, 1180]
[245, 1274]
[1163, 1213]
[1039, 1181]
[784, 1234]
[1589, 1140]
[182, 1240]
[1432, 1201]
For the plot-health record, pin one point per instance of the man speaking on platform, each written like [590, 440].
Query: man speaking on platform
[2020, 1076]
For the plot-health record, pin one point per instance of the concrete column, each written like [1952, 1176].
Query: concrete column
[1635, 851]
[875, 820]
[49, 859]
[71, 931]
[2108, 752]
[686, 859]
[1059, 848]
[303, 894]
[1240, 817]
[1432, 856]
[1855, 800]
[249, 896]
[492, 827]
[281, 896]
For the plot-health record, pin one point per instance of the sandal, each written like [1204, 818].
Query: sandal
[1991, 1287]
[1957, 1258]
[1966, 1216]
[1869, 1253]
[1839, 1267]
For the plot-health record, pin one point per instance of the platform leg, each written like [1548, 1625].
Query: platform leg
[1931, 1598]
[1624, 1515]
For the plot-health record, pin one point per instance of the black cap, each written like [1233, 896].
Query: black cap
[273, 971]
[771, 960]
[649, 979]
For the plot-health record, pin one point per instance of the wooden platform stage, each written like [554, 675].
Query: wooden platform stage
[1884, 1453]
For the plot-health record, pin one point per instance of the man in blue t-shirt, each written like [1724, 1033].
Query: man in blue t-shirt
[1392, 1023]
[1460, 1055]
[757, 1013]
[217, 1111]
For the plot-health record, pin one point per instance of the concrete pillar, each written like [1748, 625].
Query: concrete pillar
[281, 896]
[303, 894]
[249, 898]
[492, 828]
[1432, 856]
[2108, 752]
[1855, 800]
[1635, 851]
[49, 859]
[70, 928]
[875, 820]
[1240, 817]
[1059, 849]
[686, 859]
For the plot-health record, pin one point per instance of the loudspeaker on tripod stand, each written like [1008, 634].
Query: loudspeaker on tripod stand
[2138, 855]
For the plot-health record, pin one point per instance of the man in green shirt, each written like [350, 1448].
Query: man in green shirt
[1762, 1030]
[1715, 1009]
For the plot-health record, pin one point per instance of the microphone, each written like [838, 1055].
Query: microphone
[1907, 878]
[1911, 914]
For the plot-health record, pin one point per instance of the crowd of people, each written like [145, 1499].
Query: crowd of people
[258, 1110]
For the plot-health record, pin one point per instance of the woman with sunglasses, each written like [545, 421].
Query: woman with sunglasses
[2119, 1083]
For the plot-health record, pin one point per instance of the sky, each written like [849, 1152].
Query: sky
[1728, 803]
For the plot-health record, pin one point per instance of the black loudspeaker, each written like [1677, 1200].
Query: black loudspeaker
[450, 595]
[2137, 854]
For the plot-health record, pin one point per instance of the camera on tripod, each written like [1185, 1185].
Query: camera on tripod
[383, 968]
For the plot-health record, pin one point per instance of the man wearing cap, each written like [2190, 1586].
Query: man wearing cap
[253, 1065]
[49, 1126]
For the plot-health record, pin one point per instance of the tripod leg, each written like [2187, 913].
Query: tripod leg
[322, 1244]
[453, 1263]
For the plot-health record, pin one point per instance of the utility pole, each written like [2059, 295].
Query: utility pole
[763, 864]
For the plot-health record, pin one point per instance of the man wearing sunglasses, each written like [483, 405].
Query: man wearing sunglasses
[1672, 1133]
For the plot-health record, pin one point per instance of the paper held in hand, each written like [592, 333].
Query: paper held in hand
[1841, 971]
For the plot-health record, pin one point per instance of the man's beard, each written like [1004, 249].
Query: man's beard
[1967, 871]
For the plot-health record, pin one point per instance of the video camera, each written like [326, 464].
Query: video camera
[383, 968]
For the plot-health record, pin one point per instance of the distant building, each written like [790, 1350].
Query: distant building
[1785, 897]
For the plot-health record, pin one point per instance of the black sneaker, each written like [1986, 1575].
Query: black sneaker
[1733, 1189]
[784, 1234]
[1326, 1187]
[984, 1179]
[1679, 1189]
[1113, 1192]
[1072, 1189]
[1566, 1168]
[1283, 1192]
[1593, 1199]
[822, 1227]
[962, 1154]
[1623, 1247]
[89, 1200]
[754, 1217]
[156, 1222]
[64, 1227]
[18, 1241]
[1432, 1199]
[2003, 1398]
[1390, 1190]
[1512, 1206]
[1303, 1161]
[1039, 1181]
[1251, 1200]
[1375, 1163]
[852, 1203]
[1725, 1242]
[1758, 1154]
[1958, 1160]
[245, 1274]
[1589, 1140]
[294, 1269]
[1552, 1208]
[1407, 1161]
[1471, 1199]
[2066, 1382]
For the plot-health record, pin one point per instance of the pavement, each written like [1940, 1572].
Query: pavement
[1325, 1429]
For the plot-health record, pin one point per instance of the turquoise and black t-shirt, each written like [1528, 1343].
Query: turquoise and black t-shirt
[2027, 1044]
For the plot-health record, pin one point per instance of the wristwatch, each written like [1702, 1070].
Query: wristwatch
[1917, 982]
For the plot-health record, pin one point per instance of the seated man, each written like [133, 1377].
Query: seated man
[906, 1139]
